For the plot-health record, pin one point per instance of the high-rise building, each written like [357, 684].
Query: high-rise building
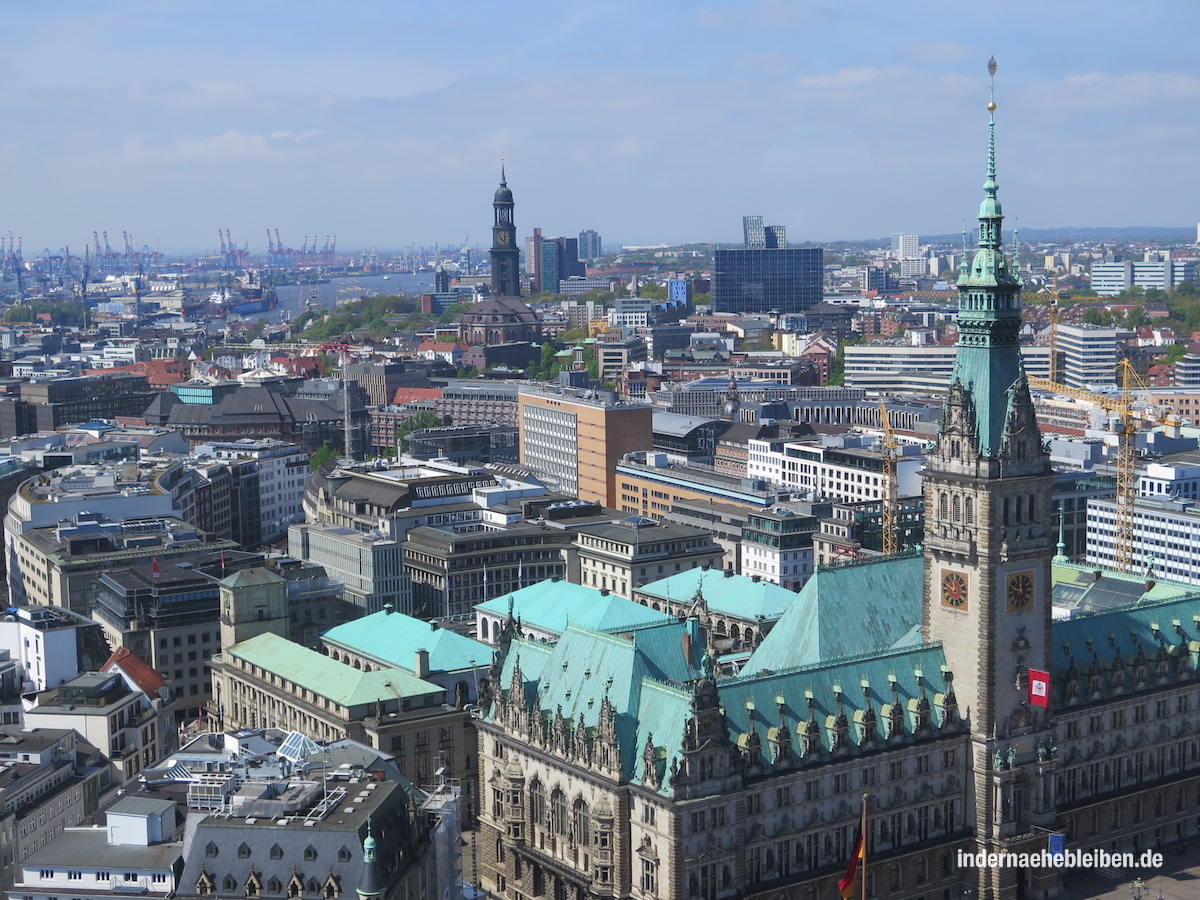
[762, 237]
[506, 256]
[1087, 355]
[573, 439]
[905, 245]
[555, 260]
[589, 245]
[753, 233]
[762, 280]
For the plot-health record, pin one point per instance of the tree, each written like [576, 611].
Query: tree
[1175, 353]
[422, 419]
[323, 455]
[652, 291]
[1136, 317]
[452, 312]
[1186, 289]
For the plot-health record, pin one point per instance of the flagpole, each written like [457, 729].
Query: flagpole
[865, 841]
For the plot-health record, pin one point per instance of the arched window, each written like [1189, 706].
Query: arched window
[1004, 510]
[579, 822]
[942, 512]
[558, 812]
[537, 804]
[1032, 507]
[956, 505]
[969, 510]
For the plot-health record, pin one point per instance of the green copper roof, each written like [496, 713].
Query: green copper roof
[988, 362]
[845, 610]
[551, 605]
[392, 639]
[341, 683]
[891, 681]
[1126, 649]
[732, 595]
[634, 672]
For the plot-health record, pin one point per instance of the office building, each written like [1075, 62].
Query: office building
[135, 852]
[455, 566]
[46, 790]
[842, 467]
[901, 367]
[590, 246]
[381, 380]
[120, 714]
[58, 565]
[905, 245]
[622, 556]
[759, 281]
[47, 404]
[1087, 355]
[1110, 279]
[573, 438]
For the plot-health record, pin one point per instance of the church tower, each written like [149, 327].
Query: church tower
[988, 548]
[506, 257]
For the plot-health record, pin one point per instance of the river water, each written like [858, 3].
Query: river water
[293, 298]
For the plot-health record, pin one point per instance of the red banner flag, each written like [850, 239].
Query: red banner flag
[846, 882]
[154, 570]
[1039, 688]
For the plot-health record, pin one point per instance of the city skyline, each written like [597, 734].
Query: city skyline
[667, 123]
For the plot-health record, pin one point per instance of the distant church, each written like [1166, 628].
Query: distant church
[502, 318]
[621, 764]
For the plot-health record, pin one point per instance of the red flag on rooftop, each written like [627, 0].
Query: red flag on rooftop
[155, 572]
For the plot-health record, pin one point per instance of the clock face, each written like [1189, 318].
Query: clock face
[954, 590]
[1018, 591]
[502, 237]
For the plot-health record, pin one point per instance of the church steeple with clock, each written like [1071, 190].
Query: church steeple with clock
[506, 256]
[988, 544]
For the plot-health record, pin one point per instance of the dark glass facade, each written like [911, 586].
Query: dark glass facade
[758, 281]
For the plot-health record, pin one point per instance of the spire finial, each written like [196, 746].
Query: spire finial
[503, 180]
[963, 266]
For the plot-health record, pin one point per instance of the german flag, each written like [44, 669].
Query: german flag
[847, 882]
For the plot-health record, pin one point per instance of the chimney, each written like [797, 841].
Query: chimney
[685, 640]
[1150, 585]
[1096, 575]
[729, 572]
[421, 664]
[756, 578]
[603, 592]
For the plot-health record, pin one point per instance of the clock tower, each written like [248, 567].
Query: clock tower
[988, 548]
[506, 257]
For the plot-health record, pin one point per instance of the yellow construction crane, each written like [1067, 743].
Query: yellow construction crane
[891, 488]
[1128, 416]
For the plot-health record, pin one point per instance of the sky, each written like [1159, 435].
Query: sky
[651, 121]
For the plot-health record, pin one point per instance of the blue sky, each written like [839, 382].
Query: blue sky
[384, 122]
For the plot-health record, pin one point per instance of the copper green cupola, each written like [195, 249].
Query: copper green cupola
[988, 371]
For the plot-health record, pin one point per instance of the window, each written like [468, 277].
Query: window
[650, 876]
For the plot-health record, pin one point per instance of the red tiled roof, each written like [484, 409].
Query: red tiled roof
[137, 669]
[410, 394]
